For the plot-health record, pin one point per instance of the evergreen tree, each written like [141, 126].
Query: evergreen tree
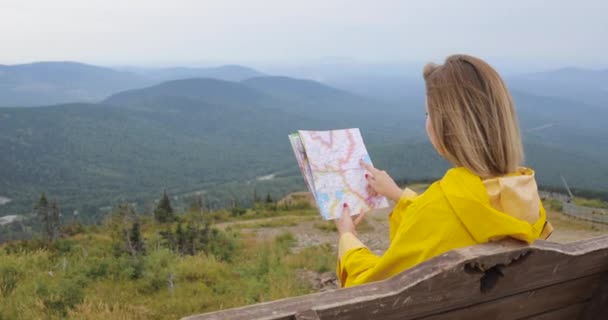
[54, 219]
[164, 212]
[256, 198]
[169, 237]
[181, 239]
[136, 239]
[191, 239]
[120, 224]
[196, 204]
[269, 198]
[42, 211]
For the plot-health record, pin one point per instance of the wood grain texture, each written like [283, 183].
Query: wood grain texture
[571, 312]
[453, 281]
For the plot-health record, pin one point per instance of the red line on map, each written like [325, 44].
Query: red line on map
[343, 176]
[350, 150]
[315, 136]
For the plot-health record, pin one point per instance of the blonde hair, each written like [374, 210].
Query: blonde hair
[473, 116]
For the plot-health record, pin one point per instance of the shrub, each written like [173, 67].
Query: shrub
[63, 246]
[320, 258]
[9, 277]
[554, 205]
[60, 296]
[285, 241]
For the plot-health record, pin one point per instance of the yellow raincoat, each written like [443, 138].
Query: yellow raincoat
[458, 211]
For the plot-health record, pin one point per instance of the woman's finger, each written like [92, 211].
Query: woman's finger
[368, 167]
[371, 191]
[359, 218]
[345, 212]
[369, 177]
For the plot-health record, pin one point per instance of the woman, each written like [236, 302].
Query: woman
[487, 196]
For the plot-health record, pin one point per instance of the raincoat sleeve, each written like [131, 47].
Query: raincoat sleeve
[354, 258]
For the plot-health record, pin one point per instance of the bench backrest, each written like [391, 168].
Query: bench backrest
[503, 280]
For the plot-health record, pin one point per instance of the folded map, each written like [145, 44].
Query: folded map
[329, 161]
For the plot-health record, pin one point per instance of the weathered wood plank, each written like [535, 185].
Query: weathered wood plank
[448, 282]
[570, 312]
[599, 302]
[307, 315]
[528, 303]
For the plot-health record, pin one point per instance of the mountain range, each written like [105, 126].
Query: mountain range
[218, 135]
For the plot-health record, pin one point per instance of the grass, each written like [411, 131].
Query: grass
[288, 221]
[330, 226]
[591, 203]
[380, 218]
[554, 205]
[326, 226]
[83, 276]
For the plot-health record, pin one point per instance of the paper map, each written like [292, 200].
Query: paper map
[329, 161]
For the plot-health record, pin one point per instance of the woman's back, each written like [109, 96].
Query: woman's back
[454, 212]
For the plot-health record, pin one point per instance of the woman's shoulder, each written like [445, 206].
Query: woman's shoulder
[433, 195]
[431, 203]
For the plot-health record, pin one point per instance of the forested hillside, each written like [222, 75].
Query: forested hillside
[219, 138]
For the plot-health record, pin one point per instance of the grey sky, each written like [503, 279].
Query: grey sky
[141, 32]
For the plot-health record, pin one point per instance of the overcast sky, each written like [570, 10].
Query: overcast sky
[147, 32]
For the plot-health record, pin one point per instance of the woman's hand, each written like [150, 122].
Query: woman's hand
[381, 183]
[345, 223]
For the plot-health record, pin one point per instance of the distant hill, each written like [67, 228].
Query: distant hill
[180, 135]
[208, 90]
[199, 134]
[290, 88]
[227, 72]
[46, 83]
[314, 98]
[588, 86]
[329, 107]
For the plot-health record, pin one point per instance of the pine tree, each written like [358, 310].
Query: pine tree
[256, 198]
[164, 212]
[42, 211]
[196, 204]
[120, 224]
[181, 239]
[191, 239]
[54, 219]
[269, 198]
[169, 238]
[137, 242]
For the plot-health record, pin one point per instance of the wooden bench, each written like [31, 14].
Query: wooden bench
[503, 280]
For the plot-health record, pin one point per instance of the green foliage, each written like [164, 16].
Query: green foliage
[270, 223]
[135, 238]
[9, 277]
[79, 277]
[72, 228]
[48, 215]
[269, 198]
[237, 211]
[318, 258]
[164, 211]
[60, 296]
[554, 205]
[591, 203]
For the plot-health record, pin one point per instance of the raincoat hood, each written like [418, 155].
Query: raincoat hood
[496, 208]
